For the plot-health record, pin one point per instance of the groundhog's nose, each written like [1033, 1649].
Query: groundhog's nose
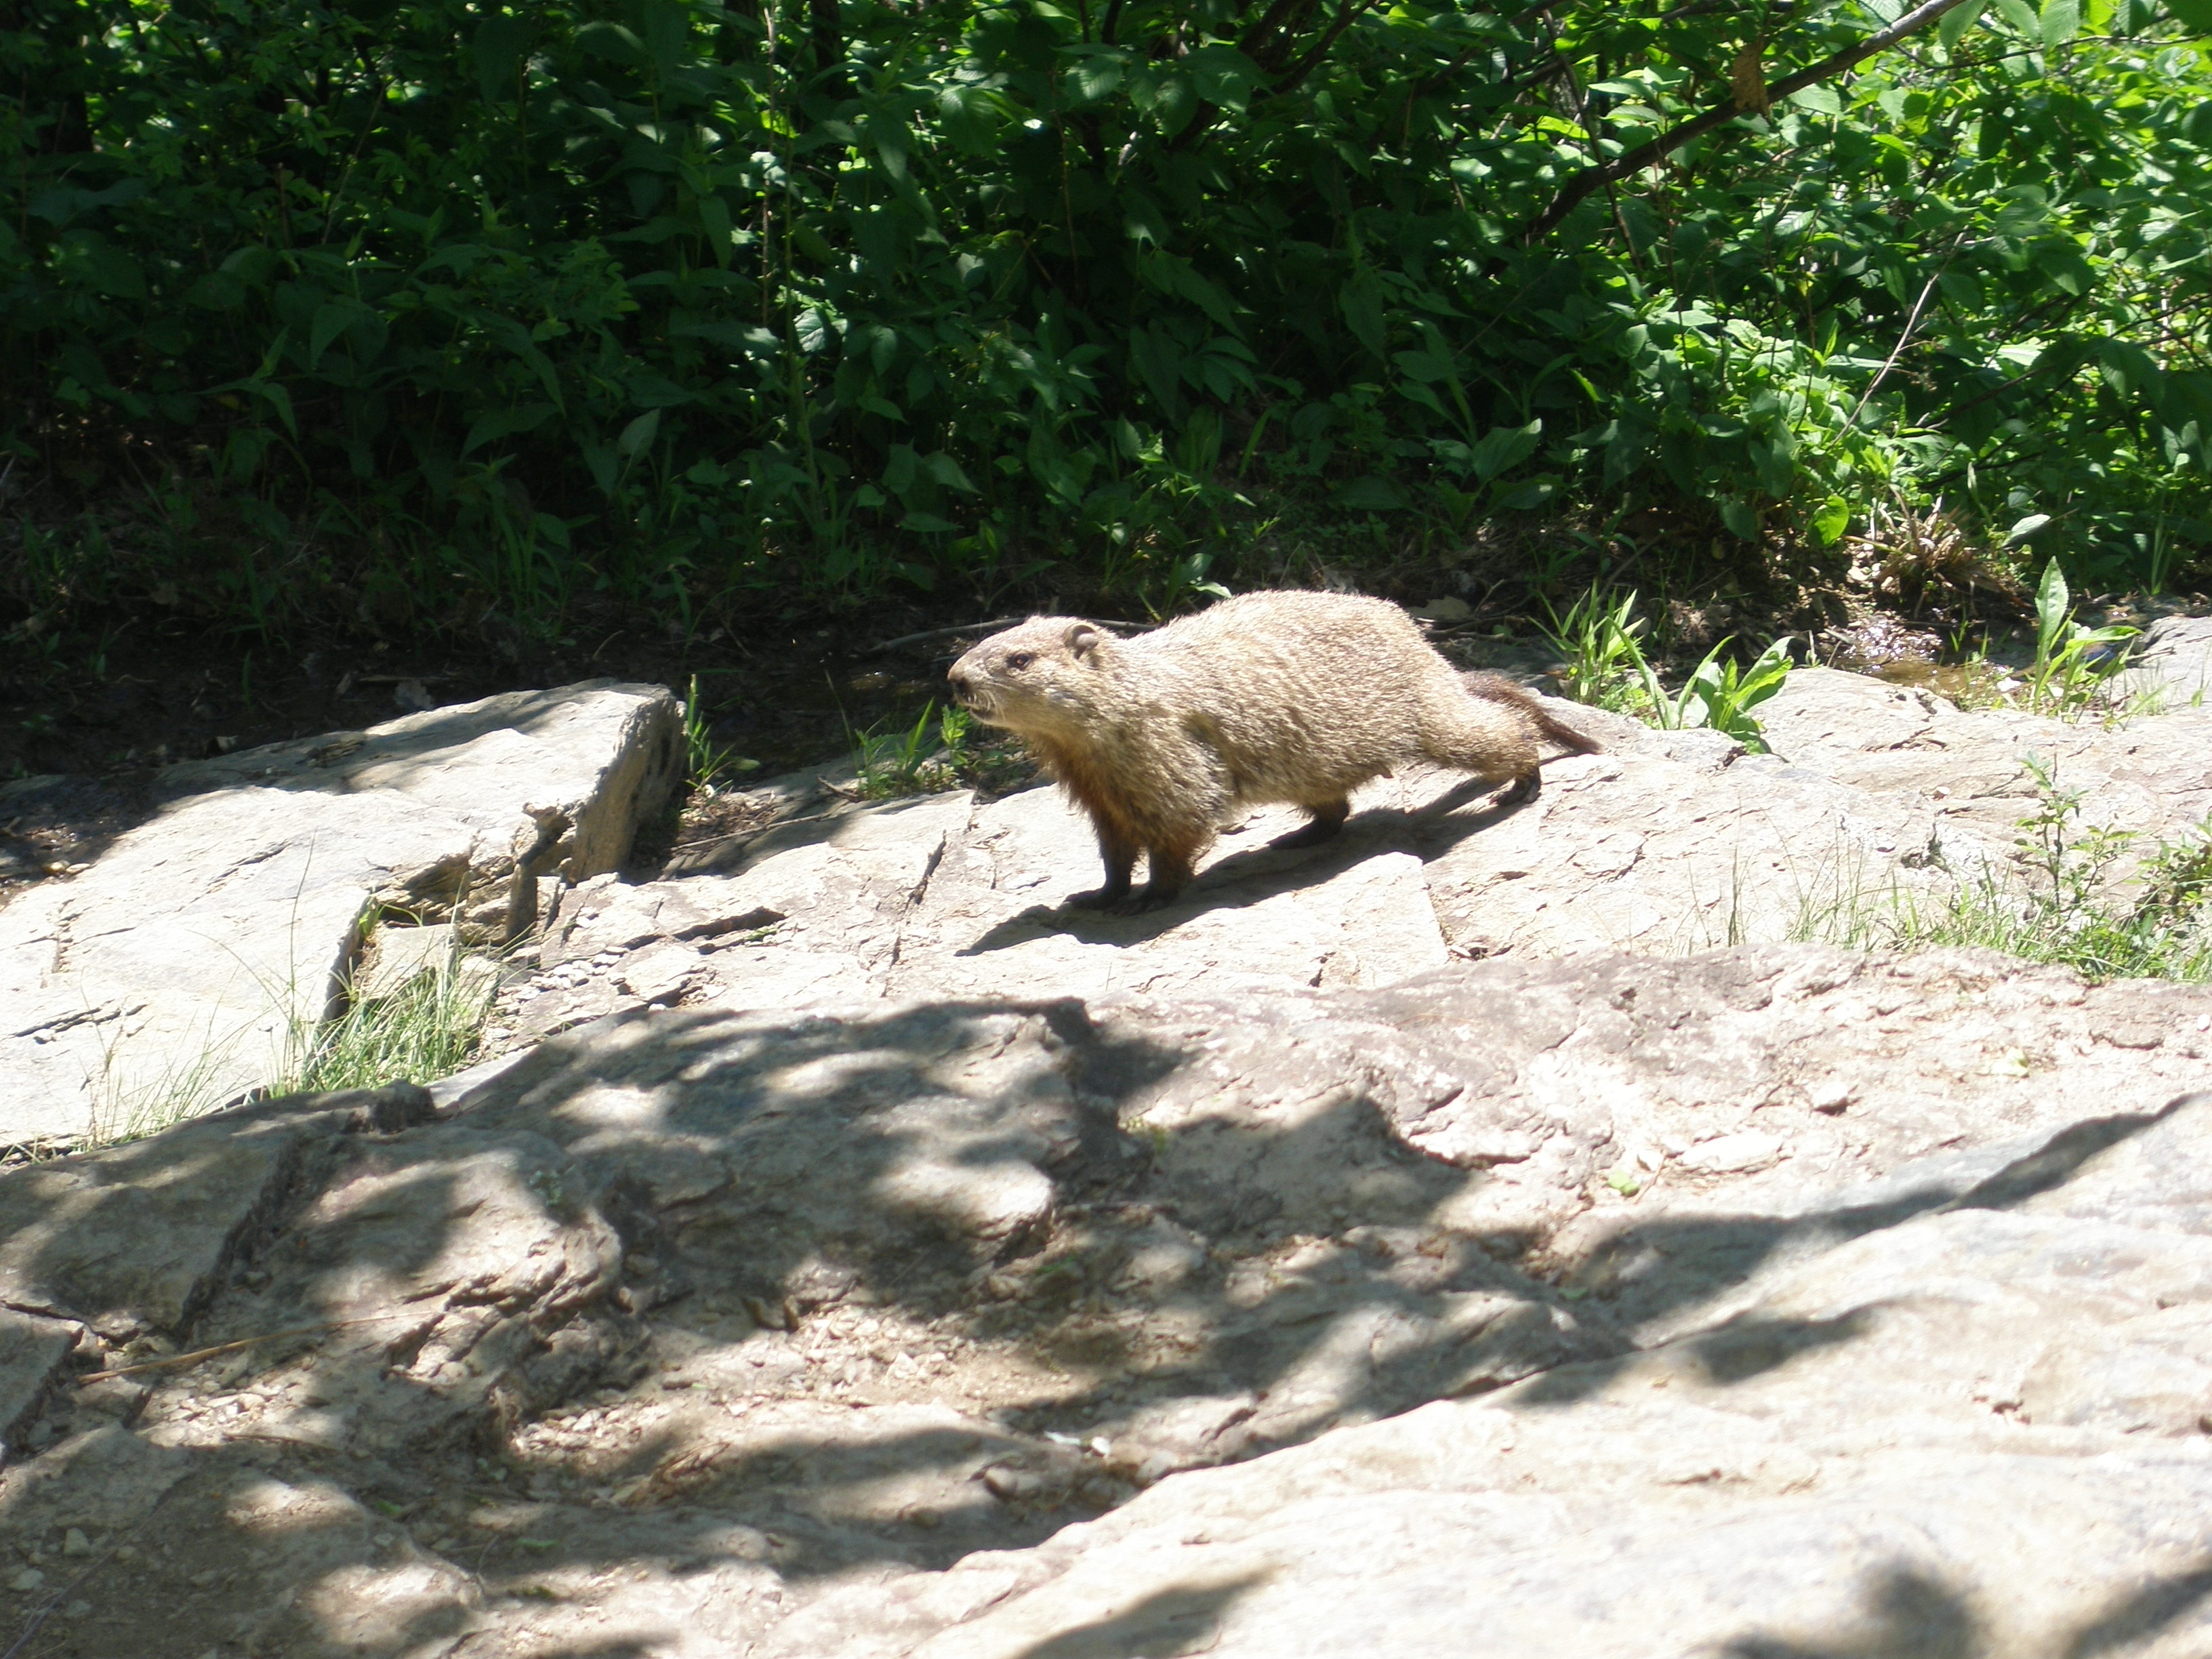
[958, 676]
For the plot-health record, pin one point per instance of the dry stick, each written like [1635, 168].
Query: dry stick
[1635, 161]
[171, 1361]
[1911, 326]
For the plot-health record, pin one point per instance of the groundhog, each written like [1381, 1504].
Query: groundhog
[1273, 696]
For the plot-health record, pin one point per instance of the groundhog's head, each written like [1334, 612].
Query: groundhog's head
[1041, 677]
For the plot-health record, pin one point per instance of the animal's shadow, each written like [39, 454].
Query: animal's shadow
[1252, 875]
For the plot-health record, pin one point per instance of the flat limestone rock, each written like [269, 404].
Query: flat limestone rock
[33, 1359]
[190, 960]
[1975, 1430]
[1873, 795]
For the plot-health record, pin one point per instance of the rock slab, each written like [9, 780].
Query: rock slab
[185, 965]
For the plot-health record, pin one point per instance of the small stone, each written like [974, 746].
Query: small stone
[73, 1542]
[29, 1579]
[76, 1609]
[1012, 1485]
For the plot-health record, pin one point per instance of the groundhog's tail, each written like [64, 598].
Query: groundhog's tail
[1496, 687]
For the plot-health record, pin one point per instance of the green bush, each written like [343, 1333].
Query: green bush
[433, 308]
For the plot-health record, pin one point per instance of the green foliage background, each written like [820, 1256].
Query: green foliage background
[417, 306]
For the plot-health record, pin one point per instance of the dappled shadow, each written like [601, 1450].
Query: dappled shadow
[66, 821]
[972, 1182]
[1651, 1272]
[1913, 1616]
[1165, 1624]
[2139, 1612]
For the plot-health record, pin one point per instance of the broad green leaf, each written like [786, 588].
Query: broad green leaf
[1952, 27]
[500, 422]
[637, 437]
[1831, 520]
[331, 319]
[498, 48]
[2196, 15]
[1820, 98]
[2060, 22]
[1504, 448]
[1096, 77]
[1361, 300]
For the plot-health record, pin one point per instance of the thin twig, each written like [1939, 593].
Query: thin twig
[929, 634]
[1912, 327]
[1593, 179]
[171, 1361]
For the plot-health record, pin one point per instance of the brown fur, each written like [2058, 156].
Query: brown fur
[1273, 696]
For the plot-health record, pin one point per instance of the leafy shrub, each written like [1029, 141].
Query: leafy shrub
[438, 310]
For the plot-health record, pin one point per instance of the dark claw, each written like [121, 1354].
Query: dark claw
[1523, 788]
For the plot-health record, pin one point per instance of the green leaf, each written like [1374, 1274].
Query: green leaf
[1821, 100]
[1743, 523]
[946, 471]
[2196, 15]
[2051, 599]
[1952, 27]
[1504, 448]
[1371, 494]
[498, 48]
[638, 435]
[499, 422]
[2060, 23]
[1096, 77]
[2024, 528]
[2021, 15]
[1831, 520]
[613, 42]
[331, 320]
[1361, 300]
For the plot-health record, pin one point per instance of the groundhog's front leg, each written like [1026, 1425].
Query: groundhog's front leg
[1121, 859]
[1171, 867]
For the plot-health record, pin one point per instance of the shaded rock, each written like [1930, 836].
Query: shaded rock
[138, 1237]
[34, 1357]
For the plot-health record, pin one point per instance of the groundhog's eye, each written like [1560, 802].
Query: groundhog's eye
[1020, 659]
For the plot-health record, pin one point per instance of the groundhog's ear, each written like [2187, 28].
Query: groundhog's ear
[1082, 639]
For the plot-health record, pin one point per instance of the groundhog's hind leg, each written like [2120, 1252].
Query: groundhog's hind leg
[1463, 732]
[1326, 820]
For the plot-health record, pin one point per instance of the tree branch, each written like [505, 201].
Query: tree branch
[1349, 14]
[1591, 178]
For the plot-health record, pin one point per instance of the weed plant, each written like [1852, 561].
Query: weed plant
[2073, 671]
[2068, 907]
[707, 763]
[927, 757]
[428, 1027]
[1600, 638]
